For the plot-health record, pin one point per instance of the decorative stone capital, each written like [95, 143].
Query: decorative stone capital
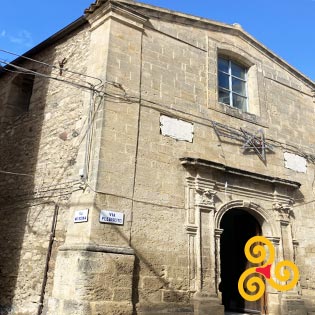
[282, 207]
[295, 243]
[285, 210]
[218, 233]
[205, 197]
[274, 239]
[191, 229]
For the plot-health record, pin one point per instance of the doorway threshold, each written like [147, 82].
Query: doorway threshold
[237, 313]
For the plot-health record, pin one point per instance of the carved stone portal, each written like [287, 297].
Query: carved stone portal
[212, 189]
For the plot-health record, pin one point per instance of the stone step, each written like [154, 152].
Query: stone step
[233, 313]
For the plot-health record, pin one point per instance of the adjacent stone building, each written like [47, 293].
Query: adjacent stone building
[141, 149]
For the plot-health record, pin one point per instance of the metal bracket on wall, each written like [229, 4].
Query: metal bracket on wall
[251, 141]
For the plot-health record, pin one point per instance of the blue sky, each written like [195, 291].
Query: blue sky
[287, 27]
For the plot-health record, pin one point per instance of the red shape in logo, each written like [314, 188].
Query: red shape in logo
[264, 271]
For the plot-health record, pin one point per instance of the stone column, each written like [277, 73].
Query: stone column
[217, 234]
[291, 302]
[192, 229]
[206, 301]
[284, 211]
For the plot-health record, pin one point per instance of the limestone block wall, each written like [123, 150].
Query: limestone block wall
[178, 79]
[100, 283]
[152, 64]
[38, 168]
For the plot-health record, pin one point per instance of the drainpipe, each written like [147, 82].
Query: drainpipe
[50, 245]
[85, 170]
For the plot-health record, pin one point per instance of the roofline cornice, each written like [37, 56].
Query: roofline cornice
[183, 18]
[116, 10]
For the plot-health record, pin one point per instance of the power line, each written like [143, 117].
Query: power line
[11, 202]
[208, 123]
[53, 66]
[119, 97]
[13, 173]
[132, 99]
[28, 71]
[23, 70]
[61, 68]
[132, 198]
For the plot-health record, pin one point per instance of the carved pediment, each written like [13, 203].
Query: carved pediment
[232, 182]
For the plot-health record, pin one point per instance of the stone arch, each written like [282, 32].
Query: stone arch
[266, 221]
[238, 56]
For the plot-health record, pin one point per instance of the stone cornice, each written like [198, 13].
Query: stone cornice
[115, 10]
[106, 5]
[194, 162]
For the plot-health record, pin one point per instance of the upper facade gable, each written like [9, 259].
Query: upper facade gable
[197, 22]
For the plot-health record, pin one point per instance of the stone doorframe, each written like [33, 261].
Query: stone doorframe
[269, 227]
[213, 189]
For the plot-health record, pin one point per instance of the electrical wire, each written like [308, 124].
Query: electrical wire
[13, 173]
[101, 82]
[34, 198]
[28, 71]
[131, 198]
[7, 66]
[17, 72]
[118, 98]
[290, 147]
[90, 87]
[53, 66]
[129, 99]
[135, 169]
[39, 193]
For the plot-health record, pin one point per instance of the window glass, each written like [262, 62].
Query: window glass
[224, 97]
[224, 80]
[232, 84]
[223, 65]
[239, 102]
[237, 71]
[238, 86]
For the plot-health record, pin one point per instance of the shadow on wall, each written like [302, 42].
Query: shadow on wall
[144, 267]
[20, 133]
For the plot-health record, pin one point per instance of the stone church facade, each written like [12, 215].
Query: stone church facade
[141, 149]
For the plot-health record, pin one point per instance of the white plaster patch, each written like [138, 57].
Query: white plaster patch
[177, 129]
[295, 162]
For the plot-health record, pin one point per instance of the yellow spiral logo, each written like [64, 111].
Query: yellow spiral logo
[258, 253]
[259, 250]
[254, 288]
[287, 273]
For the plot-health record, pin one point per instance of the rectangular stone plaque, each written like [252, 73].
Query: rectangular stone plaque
[107, 216]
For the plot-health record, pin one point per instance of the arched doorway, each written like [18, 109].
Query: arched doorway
[238, 227]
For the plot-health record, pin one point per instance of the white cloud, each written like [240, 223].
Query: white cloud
[23, 38]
